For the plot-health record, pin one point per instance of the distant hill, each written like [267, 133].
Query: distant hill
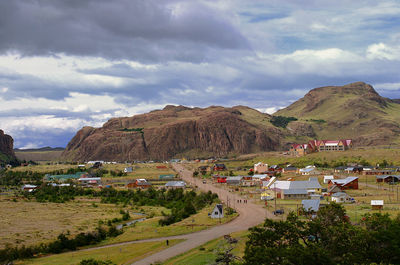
[42, 149]
[177, 131]
[353, 111]
[7, 155]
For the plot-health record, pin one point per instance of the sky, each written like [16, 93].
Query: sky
[69, 64]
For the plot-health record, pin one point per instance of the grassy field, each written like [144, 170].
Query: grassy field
[207, 253]
[27, 222]
[125, 254]
[151, 229]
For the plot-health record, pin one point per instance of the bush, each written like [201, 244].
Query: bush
[282, 121]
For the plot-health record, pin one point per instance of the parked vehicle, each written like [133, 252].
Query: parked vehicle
[280, 211]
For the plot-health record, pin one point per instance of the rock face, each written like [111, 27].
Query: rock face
[173, 131]
[6, 148]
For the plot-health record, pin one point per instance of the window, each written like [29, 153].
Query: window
[216, 213]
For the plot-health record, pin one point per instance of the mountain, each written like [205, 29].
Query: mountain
[177, 131]
[354, 111]
[7, 155]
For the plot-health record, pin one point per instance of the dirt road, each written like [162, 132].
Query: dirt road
[250, 214]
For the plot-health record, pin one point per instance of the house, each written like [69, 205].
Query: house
[219, 167]
[89, 181]
[340, 197]
[349, 183]
[128, 170]
[388, 178]
[297, 194]
[29, 187]
[139, 183]
[293, 189]
[300, 149]
[377, 204]
[309, 170]
[379, 172]
[320, 146]
[289, 169]
[217, 212]
[220, 179]
[175, 185]
[260, 167]
[310, 206]
[327, 178]
[333, 189]
[275, 168]
[233, 180]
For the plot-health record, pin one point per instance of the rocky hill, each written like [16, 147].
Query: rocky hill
[6, 149]
[177, 131]
[353, 111]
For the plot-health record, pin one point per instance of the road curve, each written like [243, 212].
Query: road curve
[250, 215]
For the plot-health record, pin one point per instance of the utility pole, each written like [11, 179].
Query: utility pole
[275, 195]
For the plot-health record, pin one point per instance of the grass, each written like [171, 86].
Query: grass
[207, 253]
[39, 155]
[124, 254]
[28, 222]
[151, 229]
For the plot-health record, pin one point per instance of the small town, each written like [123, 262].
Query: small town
[199, 132]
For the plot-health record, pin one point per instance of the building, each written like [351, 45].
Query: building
[139, 183]
[309, 170]
[166, 176]
[379, 172]
[349, 183]
[377, 204]
[175, 185]
[310, 206]
[260, 167]
[89, 181]
[289, 169]
[128, 170]
[294, 189]
[328, 178]
[219, 167]
[388, 178]
[320, 146]
[217, 212]
[340, 197]
[29, 187]
[233, 180]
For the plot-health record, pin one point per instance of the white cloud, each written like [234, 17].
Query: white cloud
[382, 51]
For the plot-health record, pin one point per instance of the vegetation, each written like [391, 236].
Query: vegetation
[61, 244]
[318, 120]
[327, 239]
[183, 204]
[133, 130]
[282, 121]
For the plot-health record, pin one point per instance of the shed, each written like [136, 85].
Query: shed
[29, 187]
[217, 212]
[377, 204]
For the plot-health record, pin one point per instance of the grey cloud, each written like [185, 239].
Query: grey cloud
[139, 30]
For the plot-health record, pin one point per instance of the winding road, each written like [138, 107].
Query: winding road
[250, 215]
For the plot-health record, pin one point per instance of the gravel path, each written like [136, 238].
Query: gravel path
[250, 214]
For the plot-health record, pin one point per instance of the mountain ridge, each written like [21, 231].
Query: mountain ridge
[354, 111]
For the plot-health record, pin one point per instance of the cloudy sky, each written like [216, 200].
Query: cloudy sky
[70, 63]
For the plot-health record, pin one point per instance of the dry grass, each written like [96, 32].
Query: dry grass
[26, 223]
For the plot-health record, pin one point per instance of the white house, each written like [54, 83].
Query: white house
[128, 170]
[340, 197]
[260, 167]
[328, 178]
[217, 212]
[377, 204]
